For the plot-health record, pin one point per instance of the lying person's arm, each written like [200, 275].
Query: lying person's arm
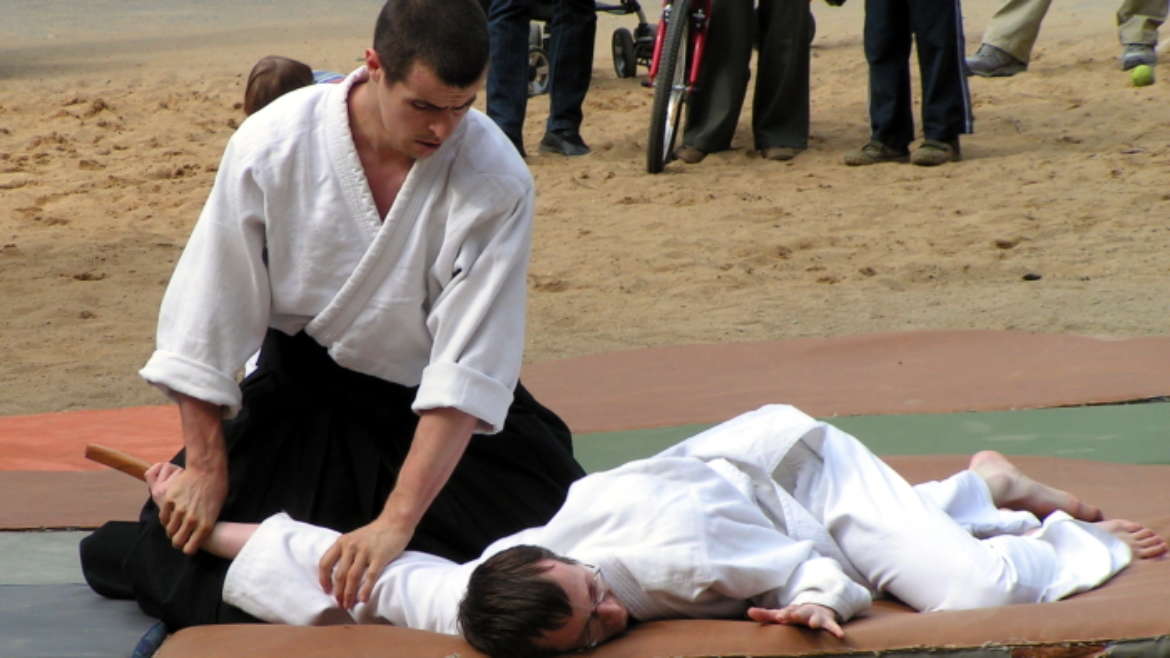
[225, 539]
[273, 575]
[812, 615]
[818, 595]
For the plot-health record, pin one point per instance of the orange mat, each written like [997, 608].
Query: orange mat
[912, 372]
[1132, 605]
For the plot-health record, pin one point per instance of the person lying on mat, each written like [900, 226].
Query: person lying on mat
[771, 514]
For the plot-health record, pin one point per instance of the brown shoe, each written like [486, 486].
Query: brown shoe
[689, 154]
[780, 153]
[873, 153]
[934, 152]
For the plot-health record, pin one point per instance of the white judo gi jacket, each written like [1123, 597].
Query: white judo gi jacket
[749, 512]
[432, 295]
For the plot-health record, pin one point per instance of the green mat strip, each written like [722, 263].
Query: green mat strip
[1126, 433]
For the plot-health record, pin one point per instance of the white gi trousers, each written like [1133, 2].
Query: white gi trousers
[923, 545]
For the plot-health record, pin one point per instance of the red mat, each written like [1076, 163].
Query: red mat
[911, 372]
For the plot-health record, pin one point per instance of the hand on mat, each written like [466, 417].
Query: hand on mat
[811, 615]
[352, 565]
[190, 506]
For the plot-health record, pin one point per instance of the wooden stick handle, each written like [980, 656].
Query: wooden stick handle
[127, 463]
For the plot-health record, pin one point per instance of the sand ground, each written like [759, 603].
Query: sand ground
[113, 115]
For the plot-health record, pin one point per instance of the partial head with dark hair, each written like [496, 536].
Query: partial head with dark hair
[528, 601]
[449, 37]
[509, 603]
[272, 77]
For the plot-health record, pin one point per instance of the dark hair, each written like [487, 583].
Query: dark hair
[508, 604]
[272, 77]
[450, 37]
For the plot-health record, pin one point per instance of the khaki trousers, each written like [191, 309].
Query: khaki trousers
[1016, 24]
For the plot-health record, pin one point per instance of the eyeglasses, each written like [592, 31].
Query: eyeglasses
[600, 590]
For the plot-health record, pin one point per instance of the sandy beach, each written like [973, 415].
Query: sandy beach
[113, 119]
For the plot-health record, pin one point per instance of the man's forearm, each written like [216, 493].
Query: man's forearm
[439, 442]
[202, 434]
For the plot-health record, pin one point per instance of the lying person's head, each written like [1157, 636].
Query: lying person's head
[529, 601]
[272, 77]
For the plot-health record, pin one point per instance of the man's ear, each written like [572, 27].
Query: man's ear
[374, 65]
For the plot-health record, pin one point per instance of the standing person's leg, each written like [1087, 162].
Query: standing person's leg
[946, 101]
[1137, 29]
[907, 546]
[713, 108]
[573, 28]
[1009, 38]
[780, 109]
[887, 50]
[507, 82]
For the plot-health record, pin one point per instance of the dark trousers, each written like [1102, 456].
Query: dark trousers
[572, 29]
[780, 109]
[937, 30]
[325, 444]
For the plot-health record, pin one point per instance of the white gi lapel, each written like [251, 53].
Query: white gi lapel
[378, 263]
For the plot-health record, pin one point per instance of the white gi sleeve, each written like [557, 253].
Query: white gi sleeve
[818, 580]
[274, 577]
[478, 318]
[215, 310]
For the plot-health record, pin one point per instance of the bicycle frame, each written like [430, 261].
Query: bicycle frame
[700, 14]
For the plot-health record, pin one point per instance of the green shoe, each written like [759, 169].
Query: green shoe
[874, 153]
[934, 152]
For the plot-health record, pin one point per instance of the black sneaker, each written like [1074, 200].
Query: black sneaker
[564, 143]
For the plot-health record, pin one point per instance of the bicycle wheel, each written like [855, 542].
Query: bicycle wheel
[670, 88]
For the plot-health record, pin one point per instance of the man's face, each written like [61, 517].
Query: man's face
[597, 614]
[418, 113]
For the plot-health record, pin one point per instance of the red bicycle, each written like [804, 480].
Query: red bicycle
[679, 43]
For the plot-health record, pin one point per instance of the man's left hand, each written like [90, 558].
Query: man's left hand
[811, 615]
[352, 565]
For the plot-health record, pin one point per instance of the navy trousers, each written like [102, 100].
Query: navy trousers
[937, 29]
[572, 30]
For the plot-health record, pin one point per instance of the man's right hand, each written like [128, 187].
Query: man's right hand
[191, 506]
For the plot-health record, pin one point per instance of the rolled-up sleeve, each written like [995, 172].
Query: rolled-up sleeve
[216, 306]
[477, 320]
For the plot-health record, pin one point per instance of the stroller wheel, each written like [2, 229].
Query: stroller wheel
[625, 56]
[537, 71]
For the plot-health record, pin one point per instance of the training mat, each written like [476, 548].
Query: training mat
[66, 620]
[1133, 433]
[1127, 614]
[890, 373]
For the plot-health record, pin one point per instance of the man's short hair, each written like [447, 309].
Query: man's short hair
[509, 605]
[450, 37]
[272, 77]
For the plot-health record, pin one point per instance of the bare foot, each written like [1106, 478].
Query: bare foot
[1011, 489]
[1141, 540]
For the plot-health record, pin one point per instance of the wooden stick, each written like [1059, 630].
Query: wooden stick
[127, 463]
